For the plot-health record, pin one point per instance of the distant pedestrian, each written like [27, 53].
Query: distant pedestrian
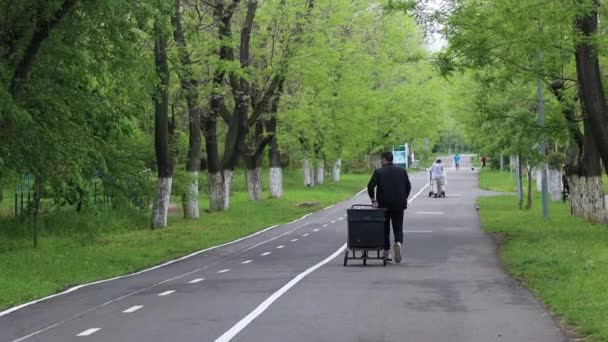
[457, 161]
[437, 179]
[484, 159]
[389, 188]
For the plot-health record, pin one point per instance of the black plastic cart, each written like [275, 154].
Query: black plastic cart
[365, 233]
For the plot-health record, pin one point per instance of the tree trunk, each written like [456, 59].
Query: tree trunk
[335, 170]
[583, 167]
[520, 188]
[275, 174]
[164, 161]
[160, 208]
[590, 81]
[254, 183]
[587, 198]
[538, 172]
[320, 172]
[219, 190]
[529, 202]
[191, 206]
[308, 173]
[41, 33]
[189, 86]
[554, 178]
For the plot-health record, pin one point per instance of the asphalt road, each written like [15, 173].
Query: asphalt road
[288, 284]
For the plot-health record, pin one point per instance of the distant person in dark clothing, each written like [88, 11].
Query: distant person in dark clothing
[392, 188]
[484, 159]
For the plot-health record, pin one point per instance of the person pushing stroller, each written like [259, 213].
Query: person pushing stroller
[437, 177]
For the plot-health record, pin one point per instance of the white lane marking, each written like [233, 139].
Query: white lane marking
[362, 191]
[324, 225]
[331, 206]
[18, 307]
[80, 314]
[224, 270]
[133, 308]
[294, 240]
[197, 280]
[89, 332]
[166, 293]
[301, 218]
[305, 235]
[265, 253]
[243, 323]
[281, 246]
[333, 222]
[316, 230]
[417, 194]
[340, 218]
[418, 231]
[430, 213]
[246, 262]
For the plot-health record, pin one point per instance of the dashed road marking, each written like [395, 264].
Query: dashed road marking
[316, 230]
[265, 253]
[166, 293]
[281, 246]
[324, 225]
[89, 332]
[305, 235]
[133, 308]
[294, 240]
[197, 280]
[224, 270]
[246, 261]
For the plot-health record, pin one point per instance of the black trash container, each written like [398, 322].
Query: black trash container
[366, 227]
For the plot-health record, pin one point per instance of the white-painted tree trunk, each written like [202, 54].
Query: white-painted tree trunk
[254, 183]
[587, 198]
[554, 181]
[275, 182]
[320, 172]
[335, 170]
[309, 179]
[191, 197]
[160, 207]
[539, 178]
[219, 190]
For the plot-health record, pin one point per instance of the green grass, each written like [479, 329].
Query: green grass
[499, 181]
[563, 260]
[79, 248]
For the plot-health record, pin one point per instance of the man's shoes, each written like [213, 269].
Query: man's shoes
[398, 252]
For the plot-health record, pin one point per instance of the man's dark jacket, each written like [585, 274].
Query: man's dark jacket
[392, 187]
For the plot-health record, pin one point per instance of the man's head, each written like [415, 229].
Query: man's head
[438, 161]
[386, 158]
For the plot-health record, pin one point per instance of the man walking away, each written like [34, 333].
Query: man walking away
[484, 159]
[392, 188]
[457, 161]
[437, 178]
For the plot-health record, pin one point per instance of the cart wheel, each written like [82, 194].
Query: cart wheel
[430, 194]
[345, 257]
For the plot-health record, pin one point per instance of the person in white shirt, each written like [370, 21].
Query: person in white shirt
[437, 178]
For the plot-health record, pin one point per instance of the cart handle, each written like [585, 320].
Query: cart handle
[361, 205]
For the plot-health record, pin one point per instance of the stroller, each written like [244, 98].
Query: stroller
[437, 186]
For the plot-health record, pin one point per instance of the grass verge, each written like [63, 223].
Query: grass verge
[563, 260]
[80, 248]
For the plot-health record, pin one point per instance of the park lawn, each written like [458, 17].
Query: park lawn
[494, 180]
[80, 248]
[563, 260]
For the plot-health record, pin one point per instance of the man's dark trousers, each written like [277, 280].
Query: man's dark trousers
[396, 218]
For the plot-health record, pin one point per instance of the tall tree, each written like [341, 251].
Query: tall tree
[164, 161]
[189, 86]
